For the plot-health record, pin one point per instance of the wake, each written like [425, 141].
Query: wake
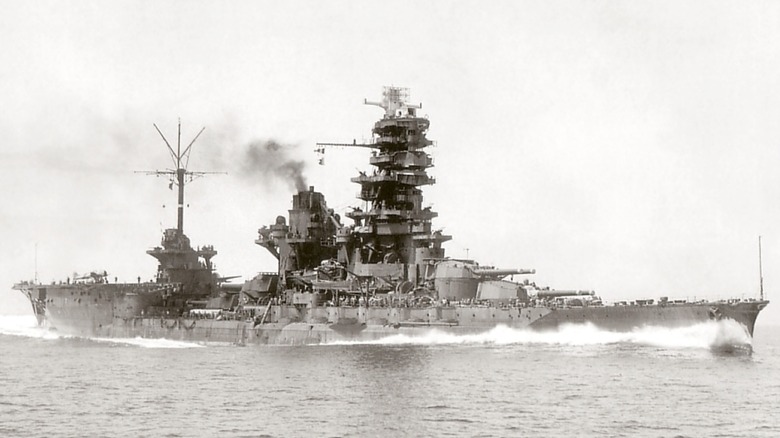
[24, 325]
[27, 326]
[720, 336]
[713, 335]
[148, 343]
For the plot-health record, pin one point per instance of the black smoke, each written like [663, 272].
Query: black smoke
[269, 161]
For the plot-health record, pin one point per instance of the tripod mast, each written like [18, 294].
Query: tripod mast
[179, 175]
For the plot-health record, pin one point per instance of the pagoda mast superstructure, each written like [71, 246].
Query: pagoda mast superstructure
[393, 238]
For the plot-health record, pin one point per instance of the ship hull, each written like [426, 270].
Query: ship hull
[292, 325]
[621, 318]
[88, 309]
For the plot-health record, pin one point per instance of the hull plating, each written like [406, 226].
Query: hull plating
[289, 325]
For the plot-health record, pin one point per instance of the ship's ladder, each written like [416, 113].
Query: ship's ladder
[265, 314]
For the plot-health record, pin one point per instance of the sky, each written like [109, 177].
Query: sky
[624, 147]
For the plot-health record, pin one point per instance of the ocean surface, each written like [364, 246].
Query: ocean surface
[578, 381]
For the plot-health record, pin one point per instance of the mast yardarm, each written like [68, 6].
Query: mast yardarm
[179, 176]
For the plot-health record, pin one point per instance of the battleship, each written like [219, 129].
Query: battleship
[384, 274]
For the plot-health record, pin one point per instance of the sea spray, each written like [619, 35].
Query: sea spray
[148, 343]
[716, 335]
[27, 326]
[710, 334]
[706, 335]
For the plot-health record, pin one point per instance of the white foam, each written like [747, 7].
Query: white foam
[710, 334]
[24, 325]
[702, 335]
[149, 343]
[706, 335]
[27, 326]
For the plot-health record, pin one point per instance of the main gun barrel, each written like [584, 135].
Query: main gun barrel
[502, 272]
[563, 293]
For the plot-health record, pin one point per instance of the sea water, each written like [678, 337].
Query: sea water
[706, 380]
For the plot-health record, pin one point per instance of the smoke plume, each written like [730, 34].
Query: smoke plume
[268, 160]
